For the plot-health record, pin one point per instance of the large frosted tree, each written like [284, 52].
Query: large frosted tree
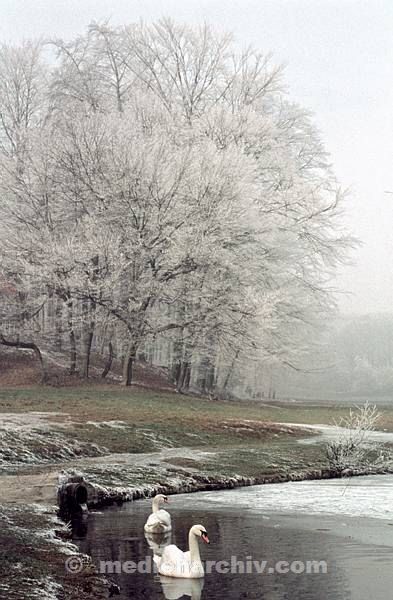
[170, 191]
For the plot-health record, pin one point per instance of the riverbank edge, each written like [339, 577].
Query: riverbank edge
[100, 497]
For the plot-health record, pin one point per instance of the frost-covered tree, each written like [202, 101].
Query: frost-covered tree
[172, 194]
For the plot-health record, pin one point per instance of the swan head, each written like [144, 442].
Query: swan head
[200, 531]
[160, 499]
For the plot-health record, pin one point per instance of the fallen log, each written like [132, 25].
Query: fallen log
[26, 346]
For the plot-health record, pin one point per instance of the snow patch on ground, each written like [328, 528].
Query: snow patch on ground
[30, 438]
[28, 420]
[111, 424]
[333, 432]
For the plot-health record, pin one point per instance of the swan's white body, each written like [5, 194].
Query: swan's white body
[176, 563]
[177, 588]
[160, 520]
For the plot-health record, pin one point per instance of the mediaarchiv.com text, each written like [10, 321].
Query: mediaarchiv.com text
[245, 566]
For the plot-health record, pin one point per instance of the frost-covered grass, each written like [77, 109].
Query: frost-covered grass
[70, 422]
[32, 559]
[181, 467]
[90, 421]
[36, 446]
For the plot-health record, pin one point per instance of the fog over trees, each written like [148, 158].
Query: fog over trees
[162, 199]
[353, 358]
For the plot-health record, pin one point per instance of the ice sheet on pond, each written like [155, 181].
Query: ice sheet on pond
[356, 496]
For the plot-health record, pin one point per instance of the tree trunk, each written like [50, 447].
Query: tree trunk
[175, 372]
[187, 377]
[108, 364]
[27, 346]
[128, 365]
[176, 361]
[88, 312]
[183, 382]
[210, 378]
[87, 355]
[58, 323]
[206, 375]
[180, 378]
[89, 315]
[72, 353]
[230, 370]
[71, 334]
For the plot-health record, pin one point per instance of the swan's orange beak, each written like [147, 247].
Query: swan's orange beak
[166, 501]
[205, 538]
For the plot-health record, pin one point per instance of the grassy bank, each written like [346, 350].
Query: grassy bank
[138, 420]
[32, 559]
[56, 425]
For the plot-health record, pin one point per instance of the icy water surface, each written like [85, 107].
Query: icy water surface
[347, 524]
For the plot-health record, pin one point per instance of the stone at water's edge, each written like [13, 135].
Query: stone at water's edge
[72, 495]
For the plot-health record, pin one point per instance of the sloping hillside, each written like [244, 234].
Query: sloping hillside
[19, 368]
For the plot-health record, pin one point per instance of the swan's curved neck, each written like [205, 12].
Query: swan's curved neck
[194, 548]
[155, 504]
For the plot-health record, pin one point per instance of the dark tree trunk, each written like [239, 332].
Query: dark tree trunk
[187, 377]
[181, 375]
[58, 323]
[206, 375]
[72, 339]
[72, 353]
[86, 359]
[128, 365]
[202, 372]
[175, 372]
[183, 382]
[88, 311]
[230, 370]
[108, 364]
[27, 346]
[176, 361]
[210, 378]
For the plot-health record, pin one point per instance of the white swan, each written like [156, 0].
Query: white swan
[176, 563]
[174, 588]
[160, 520]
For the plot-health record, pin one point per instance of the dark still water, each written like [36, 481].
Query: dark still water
[359, 567]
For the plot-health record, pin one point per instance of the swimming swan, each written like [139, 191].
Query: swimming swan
[160, 520]
[175, 588]
[176, 563]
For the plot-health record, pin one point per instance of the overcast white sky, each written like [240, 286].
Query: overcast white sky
[339, 57]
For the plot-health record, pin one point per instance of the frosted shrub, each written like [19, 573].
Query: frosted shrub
[353, 447]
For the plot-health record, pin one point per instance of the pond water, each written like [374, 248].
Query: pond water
[346, 524]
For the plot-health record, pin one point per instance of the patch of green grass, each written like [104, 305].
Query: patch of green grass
[161, 419]
[136, 405]
[272, 458]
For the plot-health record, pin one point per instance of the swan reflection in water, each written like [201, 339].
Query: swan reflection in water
[158, 541]
[175, 588]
